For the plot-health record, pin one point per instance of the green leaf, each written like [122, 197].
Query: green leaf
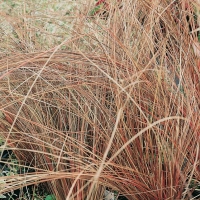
[2, 196]
[50, 197]
[96, 9]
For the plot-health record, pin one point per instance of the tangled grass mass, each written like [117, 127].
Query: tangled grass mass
[100, 97]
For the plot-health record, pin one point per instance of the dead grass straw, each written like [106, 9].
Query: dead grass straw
[118, 108]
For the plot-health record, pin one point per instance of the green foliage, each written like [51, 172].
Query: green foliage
[50, 197]
[2, 196]
[95, 10]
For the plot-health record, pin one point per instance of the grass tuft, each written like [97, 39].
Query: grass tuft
[91, 102]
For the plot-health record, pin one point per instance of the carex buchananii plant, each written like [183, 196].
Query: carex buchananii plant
[113, 105]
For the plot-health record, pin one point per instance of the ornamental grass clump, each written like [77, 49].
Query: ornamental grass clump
[115, 105]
